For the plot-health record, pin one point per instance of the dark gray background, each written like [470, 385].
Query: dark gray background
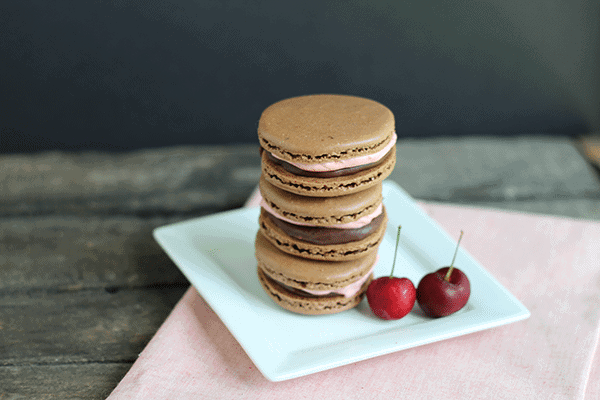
[119, 75]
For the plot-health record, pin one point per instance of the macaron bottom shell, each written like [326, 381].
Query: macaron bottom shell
[309, 304]
[327, 187]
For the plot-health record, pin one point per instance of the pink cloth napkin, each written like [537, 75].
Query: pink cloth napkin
[550, 264]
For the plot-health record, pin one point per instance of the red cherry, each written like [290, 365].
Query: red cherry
[445, 291]
[438, 297]
[390, 297]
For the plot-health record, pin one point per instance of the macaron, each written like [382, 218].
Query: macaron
[309, 286]
[323, 228]
[327, 145]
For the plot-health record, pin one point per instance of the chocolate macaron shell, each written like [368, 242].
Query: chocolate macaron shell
[318, 128]
[326, 252]
[309, 305]
[328, 187]
[304, 273]
[321, 211]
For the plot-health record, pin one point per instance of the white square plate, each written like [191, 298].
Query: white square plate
[216, 253]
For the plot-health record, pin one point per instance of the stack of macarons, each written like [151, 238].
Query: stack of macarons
[322, 218]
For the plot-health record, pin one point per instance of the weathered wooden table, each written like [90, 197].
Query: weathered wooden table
[83, 285]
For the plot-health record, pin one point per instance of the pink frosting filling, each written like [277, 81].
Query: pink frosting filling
[353, 162]
[359, 223]
[348, 291]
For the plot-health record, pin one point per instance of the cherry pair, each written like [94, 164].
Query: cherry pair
[439, 293]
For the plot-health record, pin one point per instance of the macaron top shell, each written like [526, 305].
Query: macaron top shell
[318, 128]
[304, 273]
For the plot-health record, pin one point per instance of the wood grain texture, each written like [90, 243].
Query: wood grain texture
[77, 381]
[166, 181]
[465, 170]
[81, 326]
[69, 253]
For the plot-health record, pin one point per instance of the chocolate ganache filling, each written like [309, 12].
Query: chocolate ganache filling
[327, 236]
[302, 293]
[327, 174]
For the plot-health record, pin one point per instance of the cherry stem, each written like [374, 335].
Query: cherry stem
[396, 251]
[447, 277]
